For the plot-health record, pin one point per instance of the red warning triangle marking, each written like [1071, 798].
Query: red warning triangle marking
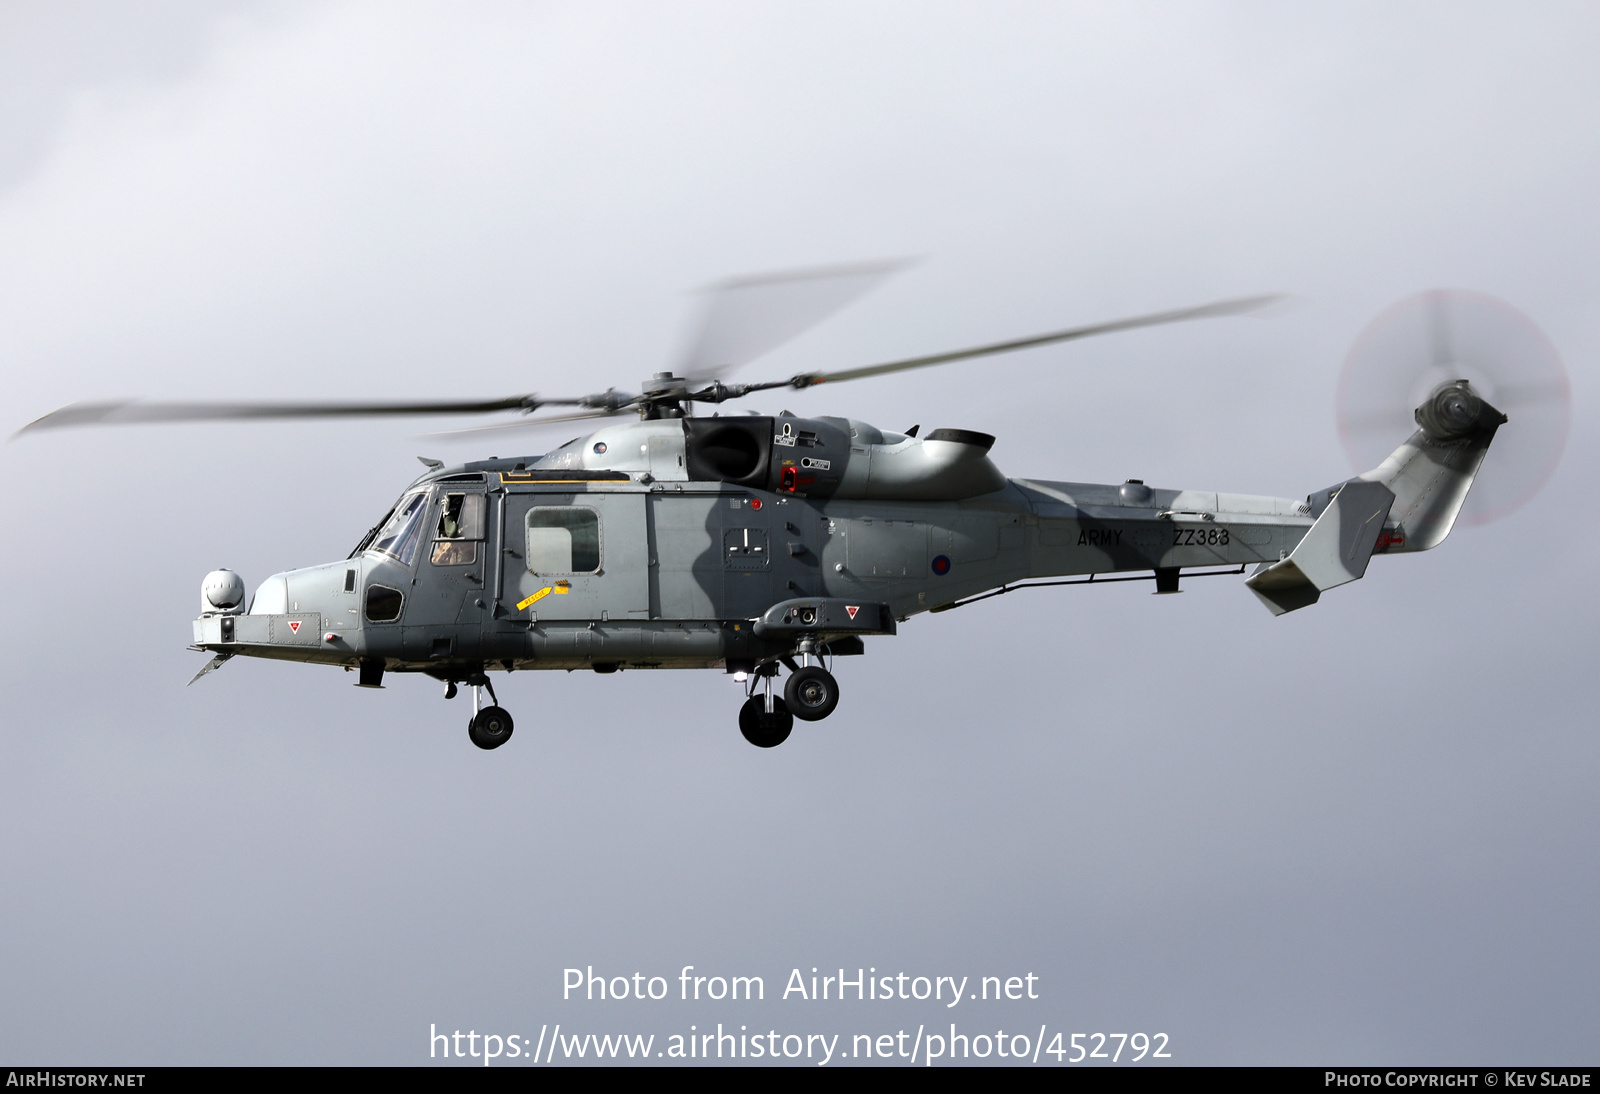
[852, 609]
[294, 624]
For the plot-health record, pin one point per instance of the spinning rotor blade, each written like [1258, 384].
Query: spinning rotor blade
[1156, 319]
[524, 425]
[746, 317]
[129, 412]
[1451, 334]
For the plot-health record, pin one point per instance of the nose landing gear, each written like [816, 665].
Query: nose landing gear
[490, 726]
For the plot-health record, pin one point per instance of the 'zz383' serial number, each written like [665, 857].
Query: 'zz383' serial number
[1199, 537]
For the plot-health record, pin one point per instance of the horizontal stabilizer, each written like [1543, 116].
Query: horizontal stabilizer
[1335, 551]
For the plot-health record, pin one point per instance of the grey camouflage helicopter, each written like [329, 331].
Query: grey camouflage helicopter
[755, 543]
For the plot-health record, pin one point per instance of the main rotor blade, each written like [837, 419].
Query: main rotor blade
[129, 412]
[746, 317]
[1156, 319]
[526, 424]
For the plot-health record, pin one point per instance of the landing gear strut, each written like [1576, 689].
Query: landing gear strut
[811, 694]
[764, 719]
[490, 726]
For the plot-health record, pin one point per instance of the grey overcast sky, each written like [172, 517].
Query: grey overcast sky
[1362, 833]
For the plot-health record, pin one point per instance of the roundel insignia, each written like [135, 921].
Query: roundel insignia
[599, 448]
[941, 565]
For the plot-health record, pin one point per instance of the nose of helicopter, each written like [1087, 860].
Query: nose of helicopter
[312, 609]
[328, 592]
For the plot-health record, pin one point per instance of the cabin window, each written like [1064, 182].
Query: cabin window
[460, 529]
[563, 540]
[399, 537]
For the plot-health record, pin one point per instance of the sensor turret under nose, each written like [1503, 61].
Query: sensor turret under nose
[221, 591]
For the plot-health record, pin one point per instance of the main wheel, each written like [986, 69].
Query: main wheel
[490, 728]
[811, 693]
[762, 729]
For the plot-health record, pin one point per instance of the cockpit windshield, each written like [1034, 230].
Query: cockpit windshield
[402, 532]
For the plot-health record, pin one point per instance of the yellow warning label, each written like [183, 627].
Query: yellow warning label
[534, 599]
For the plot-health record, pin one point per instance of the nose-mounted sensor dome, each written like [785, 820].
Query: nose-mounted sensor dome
[221, 591]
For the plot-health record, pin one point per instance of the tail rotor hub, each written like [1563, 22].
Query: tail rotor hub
[1452, 412]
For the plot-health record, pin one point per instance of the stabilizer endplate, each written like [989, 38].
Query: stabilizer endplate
[1334, 552]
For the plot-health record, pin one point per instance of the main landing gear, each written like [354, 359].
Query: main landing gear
[490, 726]
[765, 721]
[810, 694]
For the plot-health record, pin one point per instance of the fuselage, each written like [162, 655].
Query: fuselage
[698, 543]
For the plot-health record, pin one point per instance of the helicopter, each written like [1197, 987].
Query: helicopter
[753, 544]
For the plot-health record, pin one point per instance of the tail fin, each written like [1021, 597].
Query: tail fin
[1411, 499]
[1431, 473]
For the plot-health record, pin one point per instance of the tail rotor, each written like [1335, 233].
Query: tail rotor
[1437, 338]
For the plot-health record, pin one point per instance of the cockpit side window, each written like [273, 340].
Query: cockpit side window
[400, 536]
[455, 541]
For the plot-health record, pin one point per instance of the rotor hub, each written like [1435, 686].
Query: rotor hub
[1455, 411]
[662, 396]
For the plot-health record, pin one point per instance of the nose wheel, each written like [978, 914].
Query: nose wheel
[490, 726]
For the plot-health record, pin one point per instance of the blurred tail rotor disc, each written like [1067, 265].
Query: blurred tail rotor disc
[1452, 334]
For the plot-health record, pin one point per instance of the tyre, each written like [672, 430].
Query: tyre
[762, 729]
[811, 693]
[490, 728]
